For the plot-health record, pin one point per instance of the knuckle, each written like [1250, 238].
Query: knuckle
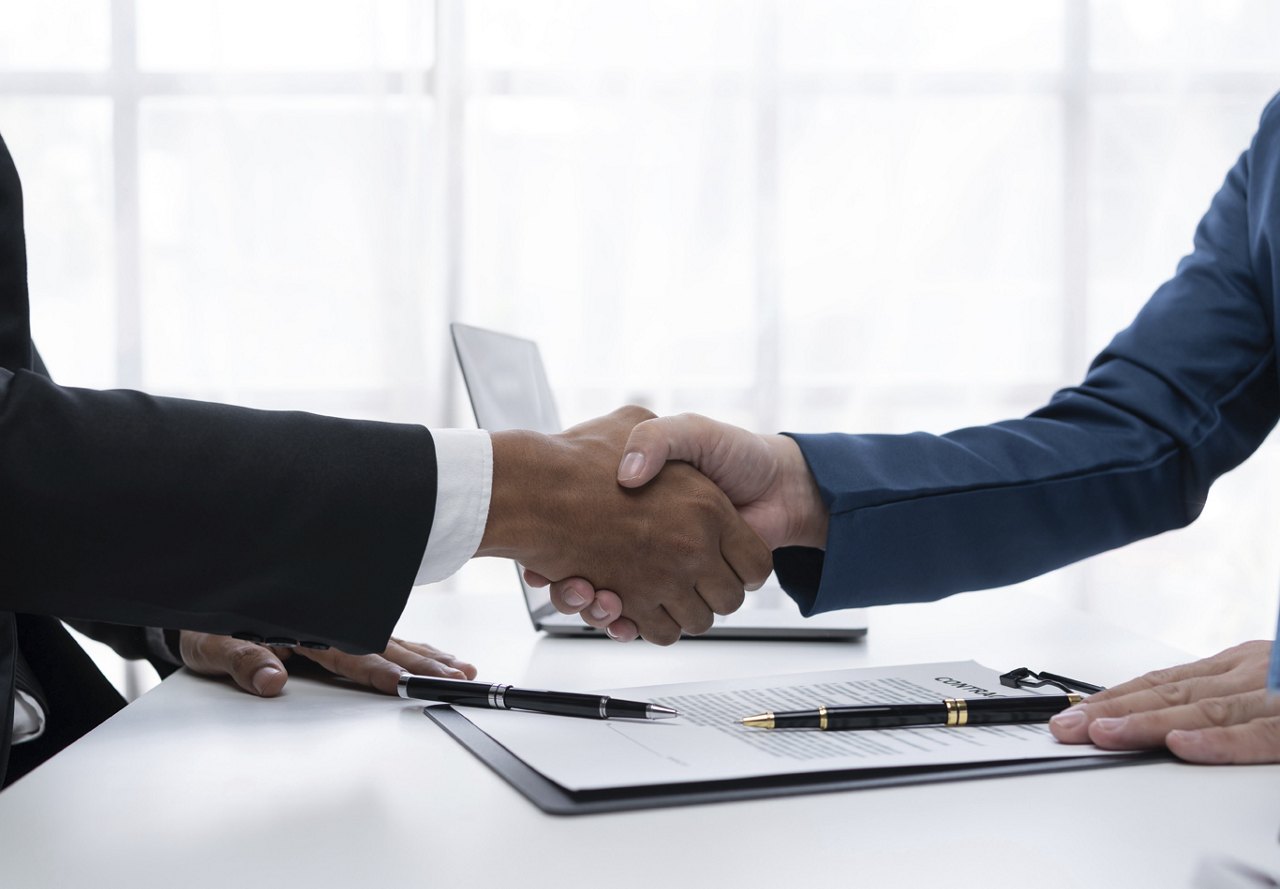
[686, 548]
[699, 497]
[1217, 711]
[1172, 694]
[643, 434]
[1157, 678]
[245, 657]
[636, 412]
[688, 420]
[1243, 649]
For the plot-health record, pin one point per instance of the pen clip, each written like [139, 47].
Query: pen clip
[1025, 677]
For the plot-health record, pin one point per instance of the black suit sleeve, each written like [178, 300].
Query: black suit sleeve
[133, 643]
[122, 507]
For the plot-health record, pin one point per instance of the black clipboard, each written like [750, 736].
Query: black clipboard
[556, 800]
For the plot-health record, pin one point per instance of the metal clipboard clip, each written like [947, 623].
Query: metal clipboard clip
[1025, 677]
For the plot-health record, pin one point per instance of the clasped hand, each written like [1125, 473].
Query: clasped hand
[764, 477]
[675, 550]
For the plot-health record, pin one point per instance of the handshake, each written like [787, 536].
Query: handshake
[657, 524]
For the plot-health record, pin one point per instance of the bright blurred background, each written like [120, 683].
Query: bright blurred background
[803, 215]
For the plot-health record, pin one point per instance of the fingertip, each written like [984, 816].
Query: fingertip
[447, 668]
[761, 577]
[605, 609]
[458, 666]
[268, 681]
[1071, 726]
[764, 567]
[631, 467]
[385, 677]
[758, 572]
[1191, 745]
[644, 454]
[622, 630]
[574, 594]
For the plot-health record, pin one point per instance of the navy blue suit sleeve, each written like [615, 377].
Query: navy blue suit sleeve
[1180, 397]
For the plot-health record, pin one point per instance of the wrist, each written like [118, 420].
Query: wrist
[807, 515]
[519, 493]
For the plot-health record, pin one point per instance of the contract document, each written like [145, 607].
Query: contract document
[706, 743]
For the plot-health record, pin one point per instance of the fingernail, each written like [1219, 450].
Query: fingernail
[452, 672]
[1111, 723]
[598, 612]
[612, 633]
[1068, 719]
[574, 600]
[262, 677]
[632, 463]
[1186, 737]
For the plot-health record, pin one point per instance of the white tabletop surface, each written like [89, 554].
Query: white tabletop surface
[200, 785]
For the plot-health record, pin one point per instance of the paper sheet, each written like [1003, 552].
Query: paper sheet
[707, 743]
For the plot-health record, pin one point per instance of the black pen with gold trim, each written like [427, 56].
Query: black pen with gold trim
[950, 712]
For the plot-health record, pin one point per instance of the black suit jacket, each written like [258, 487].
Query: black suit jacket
[119, 508]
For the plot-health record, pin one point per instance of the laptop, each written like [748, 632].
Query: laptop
[508, 386]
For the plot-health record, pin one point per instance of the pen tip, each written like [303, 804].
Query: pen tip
[760, 720]
[657, 711]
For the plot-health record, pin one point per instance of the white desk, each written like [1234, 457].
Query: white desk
[200, 785]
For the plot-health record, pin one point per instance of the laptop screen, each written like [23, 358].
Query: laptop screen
[509, 390]
[506, 381]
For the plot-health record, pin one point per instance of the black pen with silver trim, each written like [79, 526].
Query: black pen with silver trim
[949, 712]
[497, 696]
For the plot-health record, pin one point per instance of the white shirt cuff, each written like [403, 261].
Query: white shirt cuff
[28, 718]
[464, 481]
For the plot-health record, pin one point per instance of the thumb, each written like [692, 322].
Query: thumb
[258, 670]
[654, 442]
[255, 668]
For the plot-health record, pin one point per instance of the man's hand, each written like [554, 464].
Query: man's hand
[260, 670]
[672, 546]
[764, 476]
[1216, 710]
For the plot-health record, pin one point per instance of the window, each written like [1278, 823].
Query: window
[874, 216]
